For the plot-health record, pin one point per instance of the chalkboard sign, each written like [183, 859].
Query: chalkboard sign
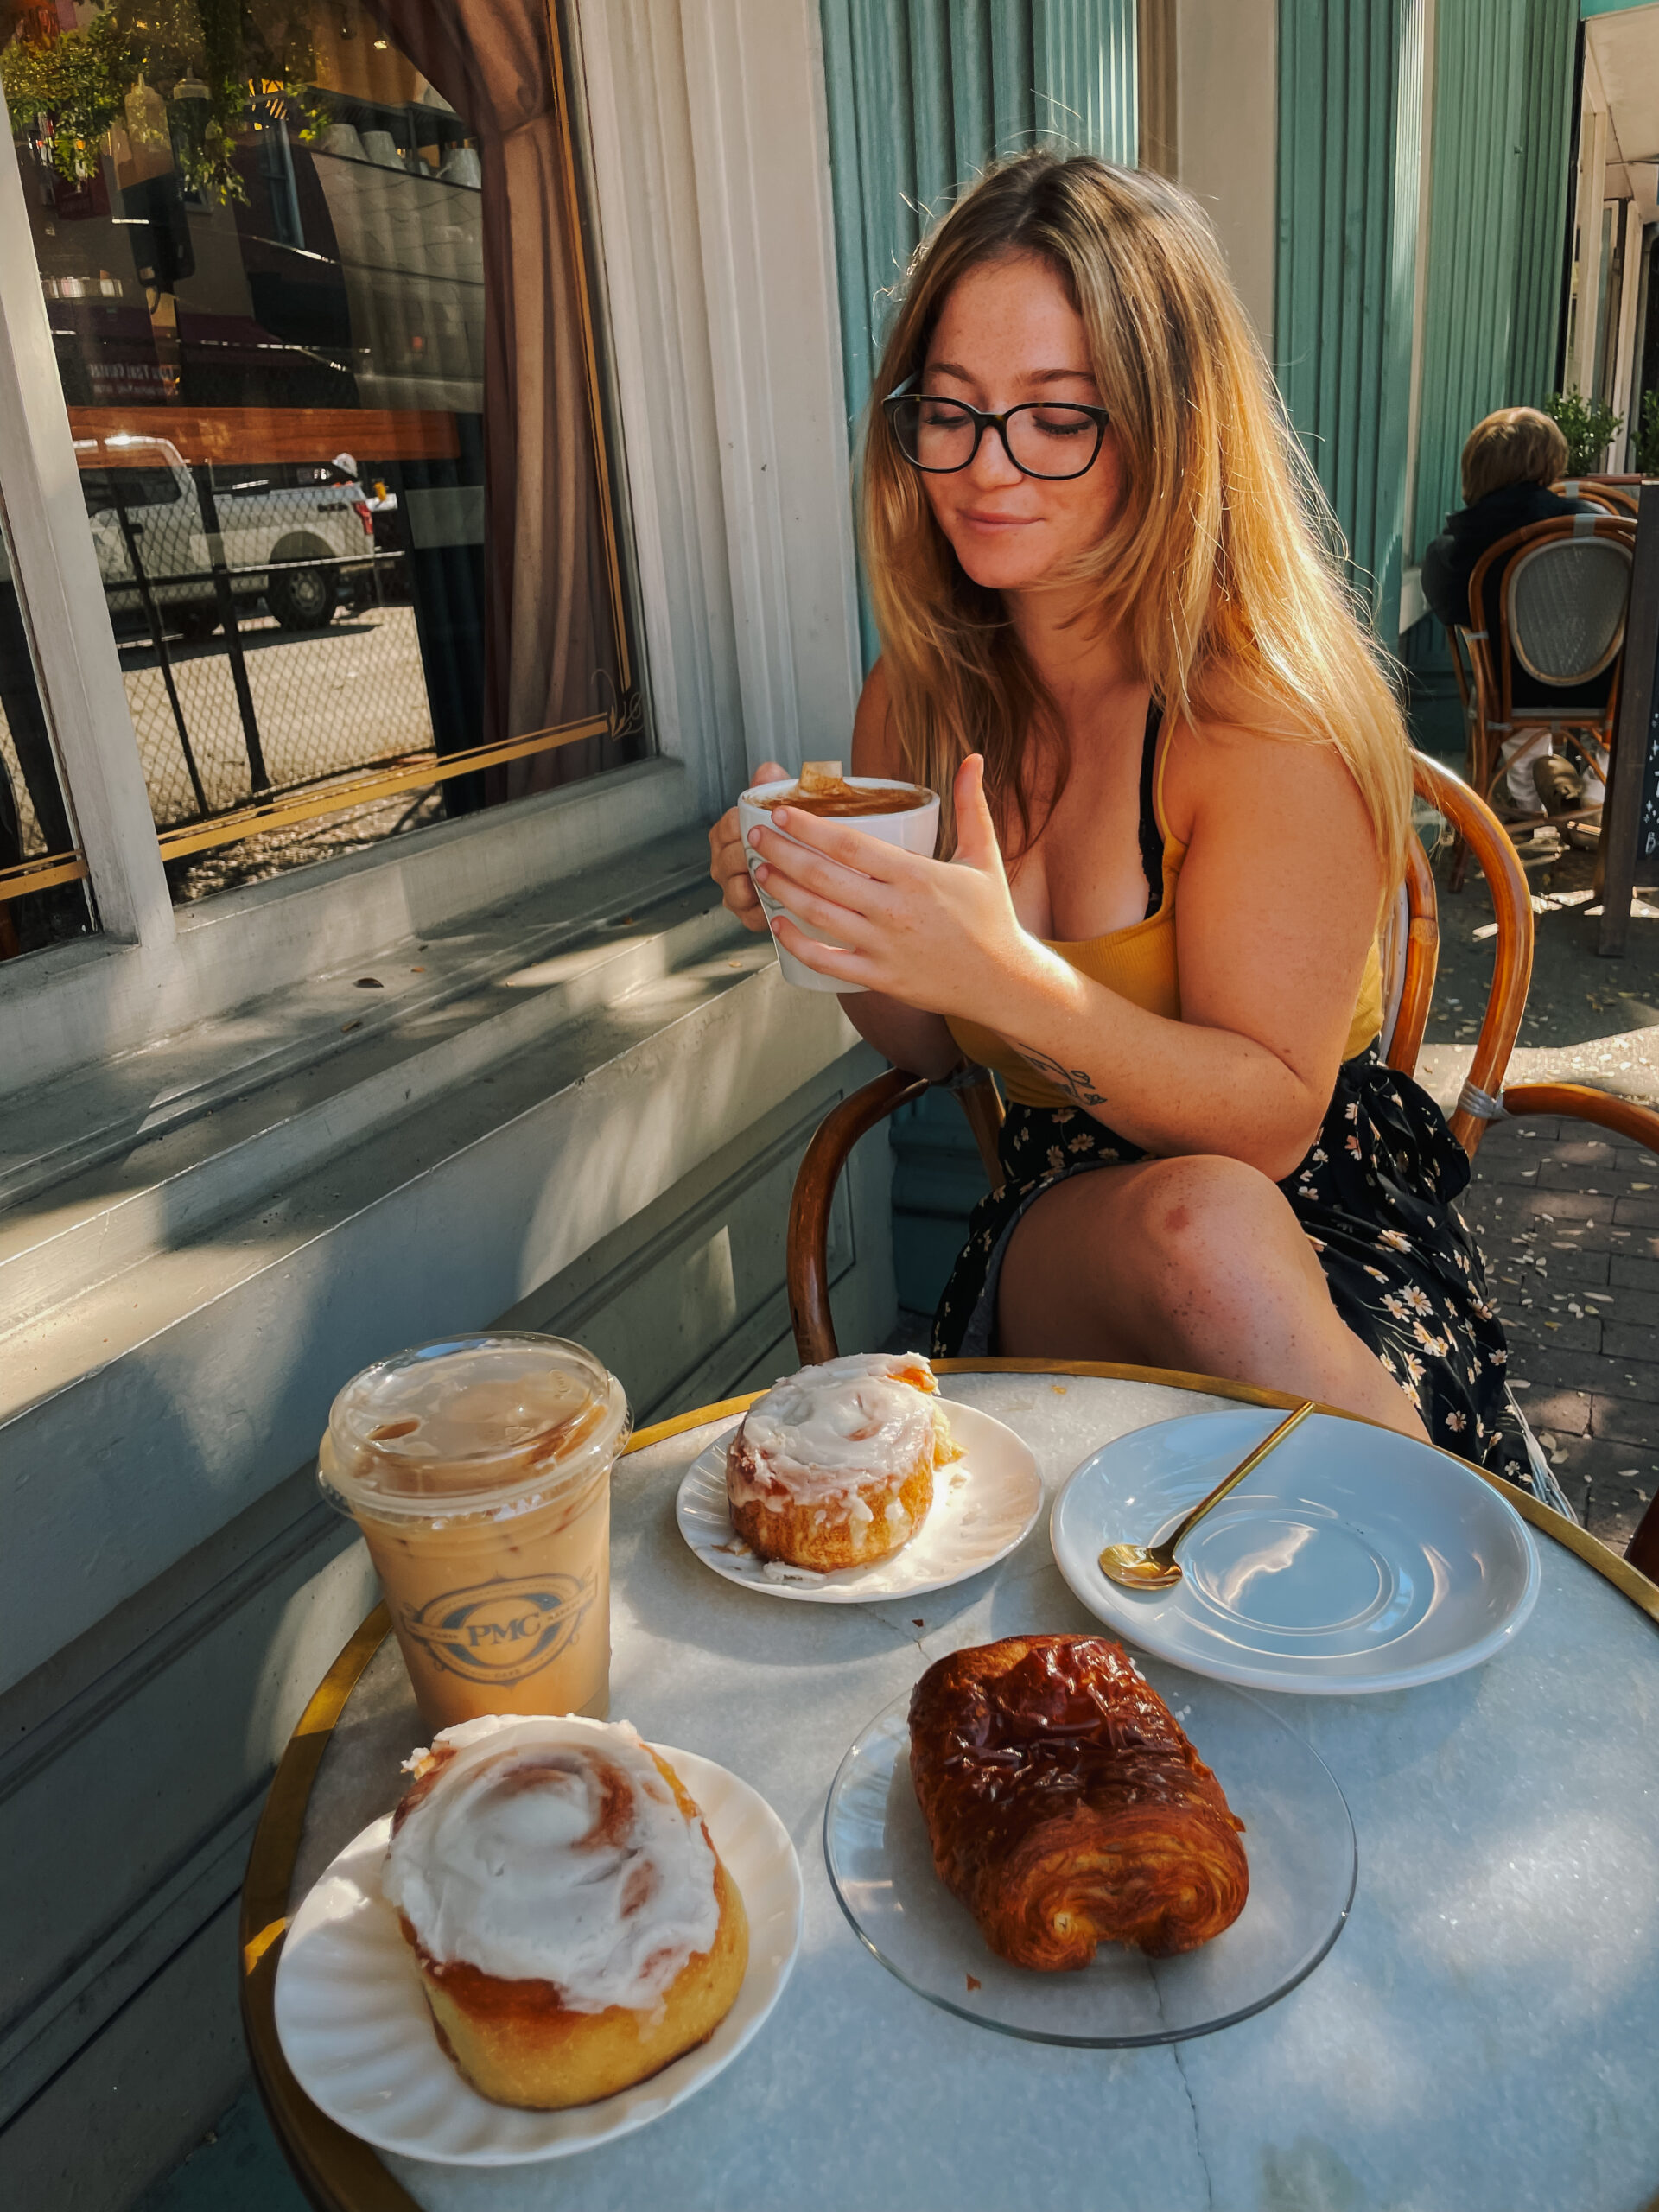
[1630, 823]
[1646, 826]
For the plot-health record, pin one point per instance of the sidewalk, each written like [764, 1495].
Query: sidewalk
[1566, 1214]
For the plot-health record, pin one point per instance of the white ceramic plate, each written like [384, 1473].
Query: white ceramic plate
[354, 2027]
[983, 1505]
[1353, 1559]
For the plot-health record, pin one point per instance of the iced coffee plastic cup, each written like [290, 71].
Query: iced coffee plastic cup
[479, 1471]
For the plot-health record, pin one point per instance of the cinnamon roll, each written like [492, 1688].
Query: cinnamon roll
[833, 1466]
[573, 1925]
[1065, 1807]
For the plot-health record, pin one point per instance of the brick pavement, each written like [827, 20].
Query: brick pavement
[1568, 1219]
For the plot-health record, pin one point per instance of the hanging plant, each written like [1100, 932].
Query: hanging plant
[211, 59]
[66, 91]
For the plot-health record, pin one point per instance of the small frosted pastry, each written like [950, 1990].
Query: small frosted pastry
[1065, 1807]
[573, 1924]
[834, 1467]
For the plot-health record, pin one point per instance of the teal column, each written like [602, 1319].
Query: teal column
[1350, 94]
[921, 95]
[1498, 186]
[1086, 76]
[1541, 240]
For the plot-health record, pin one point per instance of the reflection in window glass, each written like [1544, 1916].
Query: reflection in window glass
[316, 287]
[37, 836]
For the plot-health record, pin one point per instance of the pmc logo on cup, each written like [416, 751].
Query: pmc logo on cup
[500, 1631]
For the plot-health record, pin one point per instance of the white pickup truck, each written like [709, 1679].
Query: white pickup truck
[288, 531]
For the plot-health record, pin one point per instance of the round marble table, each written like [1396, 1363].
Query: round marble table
[1482, 2036]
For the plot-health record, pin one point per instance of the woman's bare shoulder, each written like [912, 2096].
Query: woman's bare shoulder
[876, 741]
[1267, 769]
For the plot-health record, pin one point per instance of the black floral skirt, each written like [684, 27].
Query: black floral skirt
[1376, 1195]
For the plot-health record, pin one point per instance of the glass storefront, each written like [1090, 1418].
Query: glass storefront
[318, 291]
[44, 894]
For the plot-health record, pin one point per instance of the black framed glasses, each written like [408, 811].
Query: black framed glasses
[1052, 439]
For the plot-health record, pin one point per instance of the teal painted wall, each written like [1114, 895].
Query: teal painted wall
[1501, 135]
[1350, 92]
[922, 94]
[1351, 78]
[1545, 184]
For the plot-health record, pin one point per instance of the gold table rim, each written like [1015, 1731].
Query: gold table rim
[338, 2172]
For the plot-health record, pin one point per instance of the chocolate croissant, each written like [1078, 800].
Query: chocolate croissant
[1065, 1807]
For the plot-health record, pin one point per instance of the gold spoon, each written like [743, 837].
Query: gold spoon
[1142, 1567]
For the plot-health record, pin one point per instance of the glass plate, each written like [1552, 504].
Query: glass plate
[1299, 1838]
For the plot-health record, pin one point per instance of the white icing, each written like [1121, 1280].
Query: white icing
[820, 1433]
[511, 1862]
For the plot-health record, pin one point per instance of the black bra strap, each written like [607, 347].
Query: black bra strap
[1152, 837]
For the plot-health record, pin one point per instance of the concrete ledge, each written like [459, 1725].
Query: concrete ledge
[186, 1387]
[132, 2103]
[65, 1009]
[125, 1817]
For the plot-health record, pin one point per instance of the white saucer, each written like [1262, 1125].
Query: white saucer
[983, 1505]
[354, 2027]
[1353, 1559]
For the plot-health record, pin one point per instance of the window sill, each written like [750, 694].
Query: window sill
[82, 1004]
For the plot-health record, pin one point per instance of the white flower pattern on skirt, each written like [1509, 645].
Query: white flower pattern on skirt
[1376, 1196]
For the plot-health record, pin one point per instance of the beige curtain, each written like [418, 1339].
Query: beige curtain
[550, 646]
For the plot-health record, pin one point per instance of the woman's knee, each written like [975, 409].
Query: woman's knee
[1212, 1227]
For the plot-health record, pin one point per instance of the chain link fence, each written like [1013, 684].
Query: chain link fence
[267, 643]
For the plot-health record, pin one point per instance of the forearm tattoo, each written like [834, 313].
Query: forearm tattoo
[1075, 1083]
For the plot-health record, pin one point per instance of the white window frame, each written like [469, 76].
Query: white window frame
[707, 133]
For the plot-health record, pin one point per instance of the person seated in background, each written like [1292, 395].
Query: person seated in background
[1509, 461]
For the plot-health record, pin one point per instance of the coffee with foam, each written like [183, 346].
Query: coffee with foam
[822, 790]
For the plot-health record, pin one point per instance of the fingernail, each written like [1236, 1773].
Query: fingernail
[781, 814]
[754, 839]
[762, 872]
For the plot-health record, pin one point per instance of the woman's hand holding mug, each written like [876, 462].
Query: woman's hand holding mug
[727, 863]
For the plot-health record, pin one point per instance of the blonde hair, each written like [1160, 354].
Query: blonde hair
[1518, 445]
[1213, 567]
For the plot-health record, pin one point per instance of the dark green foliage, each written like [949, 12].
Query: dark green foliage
[1588, 426]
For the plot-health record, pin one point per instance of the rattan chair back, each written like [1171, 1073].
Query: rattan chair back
[1564, 607]
[1571, 613]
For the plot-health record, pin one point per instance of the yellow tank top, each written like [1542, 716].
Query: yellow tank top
[1138, 963]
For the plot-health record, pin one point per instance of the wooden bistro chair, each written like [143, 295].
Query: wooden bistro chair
[1564, 589]
[1615, 499]
[1410, 954]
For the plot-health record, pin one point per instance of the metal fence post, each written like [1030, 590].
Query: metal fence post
[153, 616]
[203, 474]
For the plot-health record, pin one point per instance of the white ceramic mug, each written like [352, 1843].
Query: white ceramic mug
[915, 829]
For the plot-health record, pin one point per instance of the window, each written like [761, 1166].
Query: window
[316, 315]
[43, 897]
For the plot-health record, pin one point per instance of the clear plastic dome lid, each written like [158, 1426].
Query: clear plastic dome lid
[495, 1423]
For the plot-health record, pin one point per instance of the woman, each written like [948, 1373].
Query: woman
[1177, 794]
